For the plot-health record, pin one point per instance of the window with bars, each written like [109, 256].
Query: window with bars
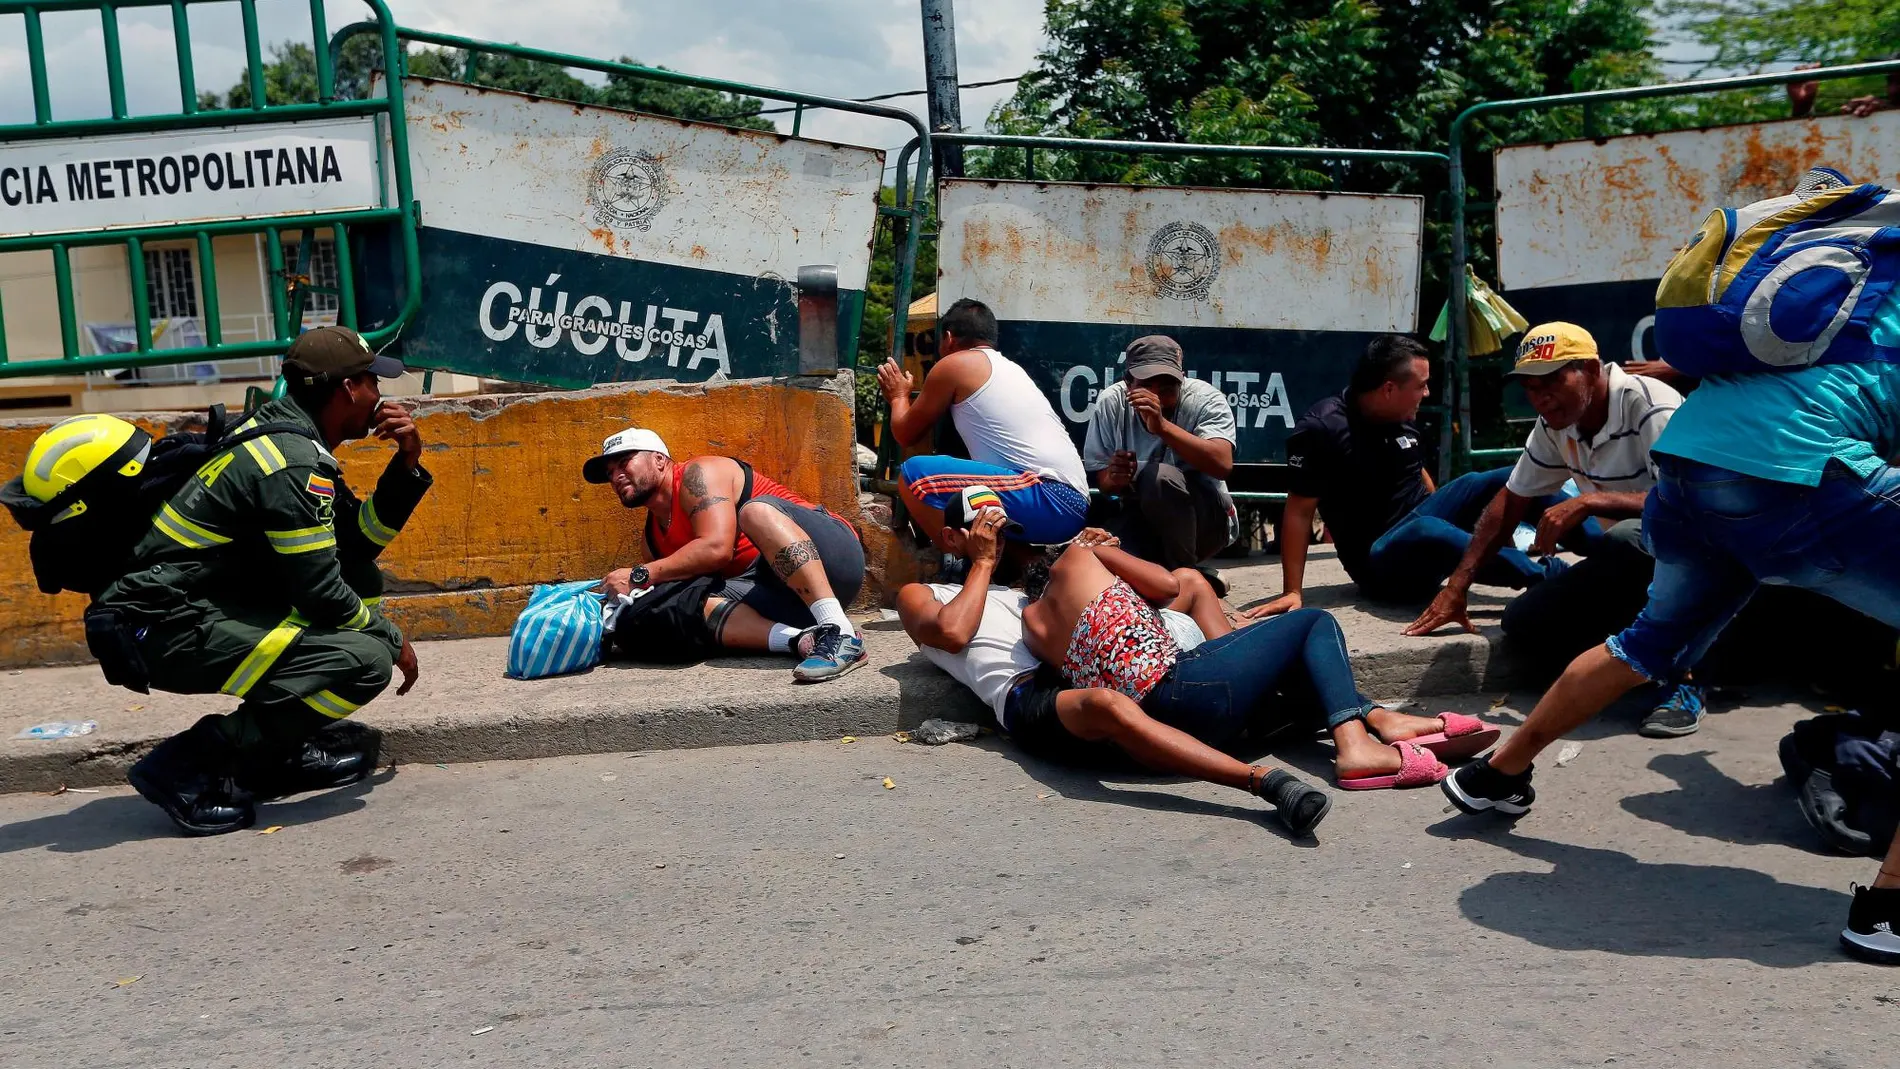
[171, 286]
[322, 273]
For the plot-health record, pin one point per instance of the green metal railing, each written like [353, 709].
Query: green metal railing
[286, 296]
[907, 220]
[1456, 341]
[1030, 144]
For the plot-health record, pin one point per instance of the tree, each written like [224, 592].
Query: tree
[1758, 35]
[290, 76]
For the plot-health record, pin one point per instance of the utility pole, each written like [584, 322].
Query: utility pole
[940, 79]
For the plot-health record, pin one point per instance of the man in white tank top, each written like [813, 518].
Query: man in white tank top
[1018, 446]
[975, 633]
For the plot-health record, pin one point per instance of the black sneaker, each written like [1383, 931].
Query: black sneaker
[190, 776]
[1873, 926]
[1679, 714]
[1477, 787]
[1299, 805]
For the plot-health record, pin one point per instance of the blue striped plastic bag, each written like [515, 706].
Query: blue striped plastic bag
[559, 633]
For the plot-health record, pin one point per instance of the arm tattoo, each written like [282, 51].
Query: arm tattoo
[794, 557]
[694, 483]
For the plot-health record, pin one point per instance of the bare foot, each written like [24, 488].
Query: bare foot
[1394, 726]
[1357, 753]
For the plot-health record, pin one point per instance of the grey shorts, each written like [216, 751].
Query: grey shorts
[839, 550]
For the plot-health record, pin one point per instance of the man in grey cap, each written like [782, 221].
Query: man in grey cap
[1160, 446]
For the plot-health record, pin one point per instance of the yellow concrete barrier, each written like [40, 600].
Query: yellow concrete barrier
[508, 508]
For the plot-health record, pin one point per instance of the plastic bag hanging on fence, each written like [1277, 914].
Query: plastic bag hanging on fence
[559, 633]
[1489, 318]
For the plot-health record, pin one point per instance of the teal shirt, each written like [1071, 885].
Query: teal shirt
[1786, 425]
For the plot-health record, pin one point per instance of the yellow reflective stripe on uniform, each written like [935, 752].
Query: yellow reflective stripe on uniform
[301, 540]
[331, 704]
[184, 532]
[360, 620]
[262, 656]
[372, 525]
[269, 458]
[377, 602]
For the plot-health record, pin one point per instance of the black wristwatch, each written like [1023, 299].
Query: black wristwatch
[640, 578]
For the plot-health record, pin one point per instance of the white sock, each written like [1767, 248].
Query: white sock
[781, 638]
[828, 611]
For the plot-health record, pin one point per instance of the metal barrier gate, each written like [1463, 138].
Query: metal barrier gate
[96, 178]
[1460, 128]
[291, 283]
[1250, 373]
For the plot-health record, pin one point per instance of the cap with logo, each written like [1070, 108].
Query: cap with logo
[960, 512]
[1551, 347]
[1155, 354]
[631, 440]
[334, 354]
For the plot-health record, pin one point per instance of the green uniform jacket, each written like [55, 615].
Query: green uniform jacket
[268, 529]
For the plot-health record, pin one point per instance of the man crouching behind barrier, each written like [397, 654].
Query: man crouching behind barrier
[258, 579]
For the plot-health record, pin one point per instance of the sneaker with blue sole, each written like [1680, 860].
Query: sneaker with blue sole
[832, 653]
[1679, 714]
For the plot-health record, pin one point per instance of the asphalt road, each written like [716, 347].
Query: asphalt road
[778, 905]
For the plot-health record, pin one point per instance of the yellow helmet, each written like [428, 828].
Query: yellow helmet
[74, 448]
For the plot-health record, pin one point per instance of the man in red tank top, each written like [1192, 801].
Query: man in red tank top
[790, 566]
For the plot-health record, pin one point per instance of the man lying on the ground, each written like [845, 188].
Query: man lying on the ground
[1595, 425]
[1358, 459]
[1160, 445]
[1018, 445]
[1090, 614]
[794, 563]
[975, 633]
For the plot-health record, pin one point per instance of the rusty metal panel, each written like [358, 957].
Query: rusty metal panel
[1616, 210]
[569, 245]
[1272, 295]
[1245, 258]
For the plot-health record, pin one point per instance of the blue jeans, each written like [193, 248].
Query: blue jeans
[1220, 687]
[1421, 551]
[1717, 534]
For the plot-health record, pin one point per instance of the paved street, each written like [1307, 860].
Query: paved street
[777, 905]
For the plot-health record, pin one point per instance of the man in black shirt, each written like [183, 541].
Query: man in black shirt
[1360, 462]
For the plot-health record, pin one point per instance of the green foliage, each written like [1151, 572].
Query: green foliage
[290, 76]
[1758, 35]
[874, 338]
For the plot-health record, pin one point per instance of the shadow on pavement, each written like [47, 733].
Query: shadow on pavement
[1708, 803]
[1112, 781]
[1608, 901]
[128, 818]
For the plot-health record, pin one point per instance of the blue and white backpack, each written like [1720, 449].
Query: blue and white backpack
[1784, 283]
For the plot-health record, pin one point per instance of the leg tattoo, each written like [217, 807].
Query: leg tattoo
[793, 557]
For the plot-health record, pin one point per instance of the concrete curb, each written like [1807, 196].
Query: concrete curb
[473, 715]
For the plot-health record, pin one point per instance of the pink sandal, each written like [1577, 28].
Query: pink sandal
[1417, 768]
[1464, 736]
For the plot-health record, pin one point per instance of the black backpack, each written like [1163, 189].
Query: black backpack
[88, 552]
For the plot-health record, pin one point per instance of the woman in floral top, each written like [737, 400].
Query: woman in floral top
[1092, 614]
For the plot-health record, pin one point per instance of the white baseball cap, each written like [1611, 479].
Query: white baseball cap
[631, 440]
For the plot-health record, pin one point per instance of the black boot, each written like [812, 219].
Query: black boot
[343, 753]
[189, 776]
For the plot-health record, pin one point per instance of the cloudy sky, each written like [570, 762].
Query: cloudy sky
[846, 48]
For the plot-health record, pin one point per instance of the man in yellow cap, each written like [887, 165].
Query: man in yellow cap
[1595, 426]
[258, 580]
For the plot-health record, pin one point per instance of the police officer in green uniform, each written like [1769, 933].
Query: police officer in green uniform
[258, 580]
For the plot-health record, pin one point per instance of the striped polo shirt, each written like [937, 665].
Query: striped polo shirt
[1617, 460]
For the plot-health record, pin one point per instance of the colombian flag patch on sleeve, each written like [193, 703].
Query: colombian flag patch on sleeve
[321, 486]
